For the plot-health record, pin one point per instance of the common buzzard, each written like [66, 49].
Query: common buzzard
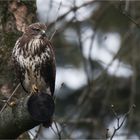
[34, 60]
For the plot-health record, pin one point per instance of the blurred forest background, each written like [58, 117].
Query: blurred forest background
[97, 47]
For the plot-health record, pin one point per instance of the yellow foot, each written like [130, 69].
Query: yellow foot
[34, 89]
[11, 104]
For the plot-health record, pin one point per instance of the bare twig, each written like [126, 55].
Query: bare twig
[31, 133]
[124, 13]
[76, 8]
[133, 82]
[9, 98]
[119, 123]
[58, 132]
[53, 130]
[56, 21]
[37, 133]
[53, 34]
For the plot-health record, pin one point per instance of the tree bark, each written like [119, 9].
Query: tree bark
[16, 120]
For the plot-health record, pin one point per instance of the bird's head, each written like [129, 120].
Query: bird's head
[36, 30]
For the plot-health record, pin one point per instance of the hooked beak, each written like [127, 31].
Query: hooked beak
[43, 33]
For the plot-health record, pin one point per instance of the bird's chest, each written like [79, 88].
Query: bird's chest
[33, 55]
[33, 66]
[33, 62]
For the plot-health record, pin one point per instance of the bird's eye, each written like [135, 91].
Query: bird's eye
[36, 29]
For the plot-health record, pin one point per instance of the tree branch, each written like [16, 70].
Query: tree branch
[17, 119]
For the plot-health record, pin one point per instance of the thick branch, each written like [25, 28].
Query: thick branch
[16, 120]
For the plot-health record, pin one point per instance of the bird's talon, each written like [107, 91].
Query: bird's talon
[34, 89]
[11, 104]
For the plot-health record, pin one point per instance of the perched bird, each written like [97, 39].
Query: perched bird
[34, 60]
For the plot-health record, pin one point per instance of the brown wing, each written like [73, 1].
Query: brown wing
[20, 73]
[48, 71]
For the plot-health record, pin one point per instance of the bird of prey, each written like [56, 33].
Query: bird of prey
[34, 60]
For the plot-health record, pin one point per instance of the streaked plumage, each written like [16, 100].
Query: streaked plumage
[34, 60]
